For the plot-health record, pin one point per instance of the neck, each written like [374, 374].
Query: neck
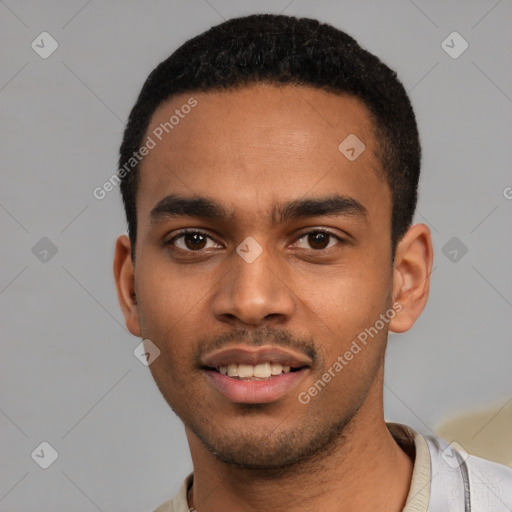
[363, 470]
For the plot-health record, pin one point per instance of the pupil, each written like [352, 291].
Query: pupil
[196, 240]
[318, 238]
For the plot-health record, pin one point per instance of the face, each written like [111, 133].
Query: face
[286, 260]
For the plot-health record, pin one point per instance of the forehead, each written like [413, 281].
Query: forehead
[250, 145]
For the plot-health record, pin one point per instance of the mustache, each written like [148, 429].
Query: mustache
[264, 336]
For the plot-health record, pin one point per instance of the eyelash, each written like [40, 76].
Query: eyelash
[203, 233]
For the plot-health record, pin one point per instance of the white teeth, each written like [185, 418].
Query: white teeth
[247, 371]
[262, 370]
[276, 368]
[232, 370]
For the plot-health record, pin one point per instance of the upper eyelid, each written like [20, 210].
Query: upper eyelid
[189, 231]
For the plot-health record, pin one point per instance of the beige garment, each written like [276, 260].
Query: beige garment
[408, 439]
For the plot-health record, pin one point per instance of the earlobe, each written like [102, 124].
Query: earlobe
[124, 275]
[411, 276]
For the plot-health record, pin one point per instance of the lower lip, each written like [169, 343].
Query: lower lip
[255, 391]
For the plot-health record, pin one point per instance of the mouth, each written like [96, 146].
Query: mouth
[248, 375]
[258, 372]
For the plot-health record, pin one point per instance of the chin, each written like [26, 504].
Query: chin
[273, 451]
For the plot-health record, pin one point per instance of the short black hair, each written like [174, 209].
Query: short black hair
[281, 50]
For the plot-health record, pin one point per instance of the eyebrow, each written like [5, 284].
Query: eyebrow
[173, 206]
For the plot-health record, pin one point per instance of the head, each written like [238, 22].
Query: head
[291, 156]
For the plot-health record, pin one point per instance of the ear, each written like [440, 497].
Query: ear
[124, 275]
[411, 276]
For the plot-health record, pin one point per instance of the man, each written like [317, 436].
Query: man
[269, 175]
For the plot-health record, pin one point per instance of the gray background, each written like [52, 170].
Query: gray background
[68, 375]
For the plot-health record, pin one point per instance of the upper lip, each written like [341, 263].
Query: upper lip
[251, 355]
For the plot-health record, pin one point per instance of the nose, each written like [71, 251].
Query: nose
[254, 292]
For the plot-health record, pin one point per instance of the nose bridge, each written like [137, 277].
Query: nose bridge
[253, 288]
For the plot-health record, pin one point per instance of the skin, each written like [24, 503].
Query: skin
[250, 149]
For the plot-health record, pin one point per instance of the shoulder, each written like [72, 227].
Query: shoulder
[490, 484]
[482, 484]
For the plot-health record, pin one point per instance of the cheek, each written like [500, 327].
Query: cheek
[167, 295]
[352, 336]
[347, 325]
[349, 298]
[173, 370]
[166, 318]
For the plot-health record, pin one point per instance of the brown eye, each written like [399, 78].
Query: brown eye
[319, 240]
[194, 241]
[190, 241]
